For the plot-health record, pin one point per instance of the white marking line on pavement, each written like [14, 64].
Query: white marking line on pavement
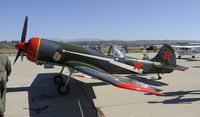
[81, 110]
[23, 86]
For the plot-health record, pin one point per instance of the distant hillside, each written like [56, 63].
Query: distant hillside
[135, 43]
[9, 47]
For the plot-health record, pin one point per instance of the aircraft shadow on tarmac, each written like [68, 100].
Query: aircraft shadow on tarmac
[153, 82]
[180, 97]
[44, 100]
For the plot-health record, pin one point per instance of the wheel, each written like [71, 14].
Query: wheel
[58, 79]
[193, 56]
[63, 89]
[179, 57]
[159, 78]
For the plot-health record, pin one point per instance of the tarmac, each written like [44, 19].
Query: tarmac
[32, 93]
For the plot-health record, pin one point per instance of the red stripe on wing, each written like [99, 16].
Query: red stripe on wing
[137, 88]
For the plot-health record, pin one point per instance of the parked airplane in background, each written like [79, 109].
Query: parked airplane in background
[81, 59]
[190, 50]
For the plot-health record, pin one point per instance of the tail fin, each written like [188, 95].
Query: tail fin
[166, 56]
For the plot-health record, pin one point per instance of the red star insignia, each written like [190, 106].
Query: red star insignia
[167, 55]
[137, 65]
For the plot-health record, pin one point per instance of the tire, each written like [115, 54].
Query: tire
[159, 78]
[193, 56]
[58, 79]
[61, 89]
[179, 57]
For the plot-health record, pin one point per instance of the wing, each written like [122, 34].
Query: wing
[104, 60]
[118, 81]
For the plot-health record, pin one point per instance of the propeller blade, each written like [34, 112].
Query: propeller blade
[22, 57]
[17, 56]
[24, 30]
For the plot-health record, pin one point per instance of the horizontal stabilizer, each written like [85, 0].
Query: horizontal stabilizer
[181, 68]
[177, 67]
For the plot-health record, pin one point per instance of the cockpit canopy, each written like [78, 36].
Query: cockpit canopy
[116, 51]
[96, 47]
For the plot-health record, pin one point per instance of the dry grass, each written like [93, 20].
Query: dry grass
[8, 51]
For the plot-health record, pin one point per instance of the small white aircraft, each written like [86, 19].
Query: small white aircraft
[190, 49]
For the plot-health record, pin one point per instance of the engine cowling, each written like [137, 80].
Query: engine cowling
[32, 49]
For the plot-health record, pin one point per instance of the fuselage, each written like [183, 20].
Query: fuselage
[148, 66]
[71, 55]
[58, 53]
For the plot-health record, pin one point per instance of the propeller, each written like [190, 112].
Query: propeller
[21, 47]
[17, 56]
[23, 37]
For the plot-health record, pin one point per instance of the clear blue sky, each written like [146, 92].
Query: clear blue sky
[101, 19]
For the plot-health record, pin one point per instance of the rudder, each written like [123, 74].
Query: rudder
[166, 56]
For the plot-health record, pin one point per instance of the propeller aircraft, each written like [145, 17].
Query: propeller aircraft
[189, 49]
[90, 62]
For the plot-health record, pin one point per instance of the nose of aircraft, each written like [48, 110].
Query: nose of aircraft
[32, 49]
[20, 46]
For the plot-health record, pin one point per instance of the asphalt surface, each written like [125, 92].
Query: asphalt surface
[32, 93]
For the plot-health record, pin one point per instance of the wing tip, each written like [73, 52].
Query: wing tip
[138, 88]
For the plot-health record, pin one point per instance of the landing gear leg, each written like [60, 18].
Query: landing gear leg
[64, 88]
[58, 79]
[159, 77]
